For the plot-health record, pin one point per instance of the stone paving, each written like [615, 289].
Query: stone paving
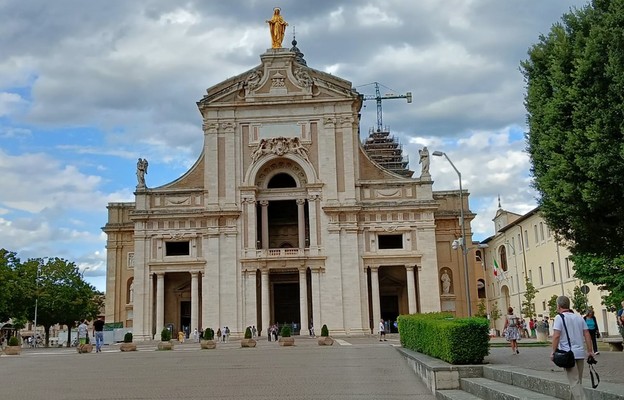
[354, 368]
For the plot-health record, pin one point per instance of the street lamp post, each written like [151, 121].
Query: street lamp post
[34, 338]
[464, 247]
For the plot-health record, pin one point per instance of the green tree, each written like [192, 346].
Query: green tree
[529, 295]
[8, 285]
[579, 300]
[495, 313]
[61, 294]
[575, 106]
[552, 306]
[481, 309]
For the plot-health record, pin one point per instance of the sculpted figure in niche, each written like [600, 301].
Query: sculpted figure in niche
[141, 171]
[131, 293]
[446, 282]
[424, 160]
[277, 27]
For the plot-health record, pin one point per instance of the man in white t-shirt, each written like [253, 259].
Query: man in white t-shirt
[577, 341]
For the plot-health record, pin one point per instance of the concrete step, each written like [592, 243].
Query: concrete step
[488, 389]
[455, 395]
[550, 383]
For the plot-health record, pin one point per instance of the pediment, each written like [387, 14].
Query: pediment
[280, 77]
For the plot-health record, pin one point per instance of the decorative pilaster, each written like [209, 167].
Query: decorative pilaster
[194, 300]
[266, 312]
[303, 301]
[301, 222]
[265, 223]
[375, 297]
[160, 302]
[411, 289]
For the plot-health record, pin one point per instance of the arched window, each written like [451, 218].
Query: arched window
[502, 254]
[481, 289]
[478, 257]
[282, 180]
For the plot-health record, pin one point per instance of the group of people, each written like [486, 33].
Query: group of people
[223, 334]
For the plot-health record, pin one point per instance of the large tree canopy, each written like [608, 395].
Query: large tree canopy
[575, 105]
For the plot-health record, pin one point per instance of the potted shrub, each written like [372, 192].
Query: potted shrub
[207, 341]
[85, 348]
[285, 336]
[248, 341]
[127, 344]
[165, 340]
[14, 348]
[325, 339]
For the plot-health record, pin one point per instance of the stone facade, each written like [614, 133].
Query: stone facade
[283, 218]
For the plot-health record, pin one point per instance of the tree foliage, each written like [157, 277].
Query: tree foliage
[529, 295]
[54, 286]
[575, 105]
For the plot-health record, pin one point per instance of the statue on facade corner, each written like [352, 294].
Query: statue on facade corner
[446, 283]
[424, 160]
[277, 27]
[141, 171]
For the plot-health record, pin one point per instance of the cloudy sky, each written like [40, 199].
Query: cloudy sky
[87, 87]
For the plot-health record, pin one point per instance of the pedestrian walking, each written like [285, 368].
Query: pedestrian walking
[592, 326]
[82, 333]
[98, 334]
[512, 330]
[382, 330]
[575, 337]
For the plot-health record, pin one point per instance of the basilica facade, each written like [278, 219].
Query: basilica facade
[284, 218]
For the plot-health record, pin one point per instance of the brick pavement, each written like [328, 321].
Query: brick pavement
[362, 368]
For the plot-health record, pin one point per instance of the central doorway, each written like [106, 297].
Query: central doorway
[185, 317]
[285, 307]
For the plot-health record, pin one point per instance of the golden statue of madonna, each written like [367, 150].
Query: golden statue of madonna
[277, 27]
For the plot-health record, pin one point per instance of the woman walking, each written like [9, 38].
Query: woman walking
[512, 333]
[592, 325]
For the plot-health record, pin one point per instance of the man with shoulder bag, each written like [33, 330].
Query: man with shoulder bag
[570, 337]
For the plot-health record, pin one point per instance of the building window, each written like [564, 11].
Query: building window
[503, 257]
[535, 233]
[547, 231]
[526, 239]
[478, 256]
[519, 243]
[543, 306]
[541, 276]
[177, 248]
[552, 271]
[531, 275]
[542, 231]
[390, 241]
[567, 266]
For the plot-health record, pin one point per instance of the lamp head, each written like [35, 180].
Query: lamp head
[438, 153]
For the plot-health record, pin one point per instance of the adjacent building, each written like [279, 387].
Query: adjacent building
[524, 247]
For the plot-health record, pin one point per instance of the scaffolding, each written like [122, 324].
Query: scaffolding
[386, 151]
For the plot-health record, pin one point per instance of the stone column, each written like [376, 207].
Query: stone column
[266, 312]
[375, 298]
[312, 215]
[160, 302]
[301, 222]
[411, 289]
[250, 298]
[194, 300]
[251, 224]
[265, 223]
[150, 307]
[303, 301]
[316, 301]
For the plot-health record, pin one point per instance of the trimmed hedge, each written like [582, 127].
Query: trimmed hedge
[455, 340]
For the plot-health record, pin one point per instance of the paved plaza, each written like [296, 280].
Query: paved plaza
[365, 369]
[354, 368]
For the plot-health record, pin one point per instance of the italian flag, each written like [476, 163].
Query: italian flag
[497, 271]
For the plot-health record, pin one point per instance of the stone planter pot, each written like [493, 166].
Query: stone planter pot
[84, 348]
[165, 346]
[287, 341]
[542, 336]
[128, 347]
[326, 341]
[13, 350]
[208, 344]
[248, 343]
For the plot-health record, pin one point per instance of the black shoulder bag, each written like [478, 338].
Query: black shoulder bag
[561, 358]
[595, 378]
